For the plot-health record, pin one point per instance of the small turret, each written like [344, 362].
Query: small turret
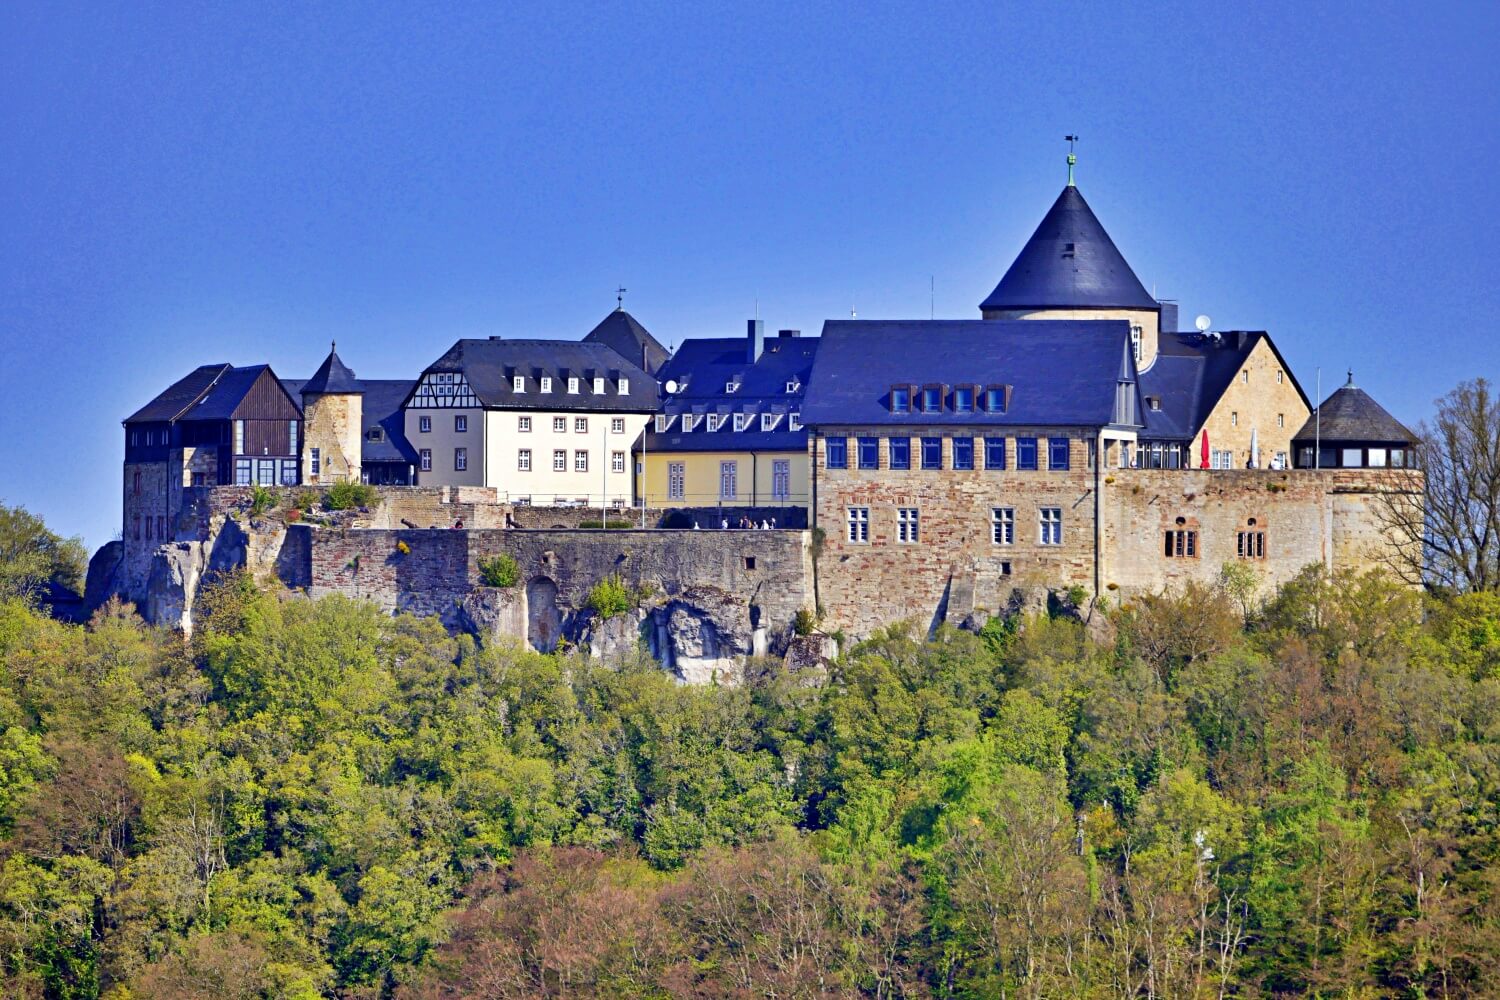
[333, 414]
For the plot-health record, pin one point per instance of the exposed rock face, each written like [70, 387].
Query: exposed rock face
[613, 639]
[178, 569]
[103, 580]
[491, 612]
[702, 634]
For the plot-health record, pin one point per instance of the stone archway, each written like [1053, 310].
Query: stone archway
[543, 620]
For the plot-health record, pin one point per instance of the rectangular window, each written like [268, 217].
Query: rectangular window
[200, 479]
[900, 399]
[572, 384]
[932, 453]
[265, 472]
[546, 383]
[617, 461]
[1280, 375]
[580, 461]
[794, 421]
[291, 448]
[1375, 458]
[859, 524]
[932, 399]
[523, 424]
[1003, 525]
[1251, 545]
[714, 420]
[559, 425]
[1244, 378]
[963, 399]
[768, 421]
[559, 460]
[239, 437]
[1026, 454]
[137, 481]
[460, 423]
[908, 525]
[729, 475]
[676, 480]
[426, 459]
[518, 383]
[624, 387]
[598, 386]
[869, 453]
[460, 460]
[963, 453]
[523, 460]
[1234, 418]
[994, 453]
[900, 451]
[424, 425]
[1051, 525]
[1181, 544]
[288, 472]
[1281, 420]
[781, 479]
[740, 420]
[1135, 343]
[1351, 458]
[661, 423]
[580, 425]
[994, 399]
[836, 453]
[1057, 453]
[617, 425]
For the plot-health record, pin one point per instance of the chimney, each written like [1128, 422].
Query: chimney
[755, 340]
[1168, 315]
[788, 333]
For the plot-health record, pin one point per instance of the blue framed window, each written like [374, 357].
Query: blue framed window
[1057, 453]
[963, 453]
[869, 453]
[994, 453]
[900, 399]
[994, 399]
[900, 449]
[932, 399]
[1026, 453]
[963, 399]
[932, 453]
[836, 453]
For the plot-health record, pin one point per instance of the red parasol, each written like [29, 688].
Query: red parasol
[1203, 451]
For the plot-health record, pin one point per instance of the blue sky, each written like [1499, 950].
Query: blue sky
[187, 184]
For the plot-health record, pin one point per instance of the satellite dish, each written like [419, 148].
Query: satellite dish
[1203, 323]
[671, 385]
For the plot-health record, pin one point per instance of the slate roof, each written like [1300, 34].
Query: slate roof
[1350, 414]
[489, 365]
[381, 408]
[623, 334]
[1063, 373]
[703, 367]
[1190, 375]
[209, 392]
[332, 376]
[1070, 261]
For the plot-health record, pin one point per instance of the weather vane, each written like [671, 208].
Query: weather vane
[1071, 158]
[620, 297]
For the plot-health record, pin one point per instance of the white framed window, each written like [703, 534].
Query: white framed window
[317, 468]
[239, 437]
[908, 524]
[242, 469]
[617, 461]
[1280, 376]
[1135, 343]
[518, 383]
[794, 386]
[559, 460]
[598, 386]
[729, 475]
[689, 421]
[424, 424]
[523, 424]
[580, 425]
[781, 479]
[859, 524]
[1234, 418]
[1281, 420]
[1003, 525]
[292, 448]
[768, 421]
[617, 425]
[460, 423]
[661, 422]
[460, 459]
[572, 383]
[713, 422]
[546, 383]
[676, 480]
[794, 421]
[1244, 378]
[731, 387]
[580, 461]
[426, 456]
[1050, 519]
[740, 420]
[559, 425]
[624, 387]
[523, 460]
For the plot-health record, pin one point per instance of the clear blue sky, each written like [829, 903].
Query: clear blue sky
[182, 185]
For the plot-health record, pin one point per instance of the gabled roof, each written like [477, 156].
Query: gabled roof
[1350, 414]
[210, 392]
[1190, 375]
[1069, 262]
[381, 407]
[1063, 373]
[332, 376]
[621, 333]
[490, 365]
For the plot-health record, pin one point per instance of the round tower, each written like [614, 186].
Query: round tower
[333, 420]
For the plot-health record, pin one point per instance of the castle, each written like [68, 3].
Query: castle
[1071, 438]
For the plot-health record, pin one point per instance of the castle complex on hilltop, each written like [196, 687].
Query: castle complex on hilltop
[1072, 437]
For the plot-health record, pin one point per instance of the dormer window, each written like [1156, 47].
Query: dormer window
[713, 422]
[932, 399]
[731, 387]
[572, 383]
[794, 421]
[768, 421]
[518, 383]
[689, 421]
[741, 420]
[963, 399]
[624, 387]
[546, 383]
[900, 399]
[1154, 402]
[995, 398]
[598, 387]
[661, 422]
[794, 386]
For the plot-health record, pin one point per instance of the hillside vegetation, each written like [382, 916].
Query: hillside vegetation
[312, 799]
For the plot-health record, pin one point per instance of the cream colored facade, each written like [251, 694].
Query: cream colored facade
[333, 423]
[1148, 320]
[1262, 398]
[757, 479]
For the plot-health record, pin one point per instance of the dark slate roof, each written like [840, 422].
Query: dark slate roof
[1070, 261]
[489, 365]
[1351, 415]
[623, 334]
[703, 367]
[1190, 375]
[381, 408]
[211, 392]
[332, 376]
[1063, 373]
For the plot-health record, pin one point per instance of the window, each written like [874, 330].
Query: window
[617, 425]
[740, 420]
[148, 527]
[1375, 458]
[1244, 378]
[572, 384]
[836, 453]
[559, 425]
[661, 423]
[994, 453]
[1398, 458]
[1221, 458]
[1181, 543]
[546, 383]
[994, 399]
[265, 472]
[288, 472]
[460, 423]
[135, 438]
[1135, 343]
[1280, 375]
[794, 421]
[859, 524]
[617, 461]
[424, 425]
[900, 452]
[559, 460]
[768, 421]
[794, 386]
[963, 399]
[598, 386]
[523, 460]
[317, 462]
[375, 434]
[908, 524]
[1281, 420]
[580, 461]
[1026, 453]
[137, 479]
[869, 453]
[1057, 453]
[523, 424]
[963, 453]
[1003, 525]
[518, 383]
[729, 475]
[460, 459]
[932, 399]
[676, 478]
[781, 479]
[1051, 524]
[426, 458]
[731, 387]
[932, 453]
[580, 425]
[239, 437]
[1250, 545]
[1351, 458]
[714, 420]
[1234, 418]
[624, 387]
[291, 448]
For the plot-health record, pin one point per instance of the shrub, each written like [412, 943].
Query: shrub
[804, 623]
[348, 495]
[610, 597]
[1077, 596]
[305, 501]
[261, 500]
[501, 571]
[611, 524]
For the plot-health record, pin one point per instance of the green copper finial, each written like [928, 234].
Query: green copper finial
[1071, 158]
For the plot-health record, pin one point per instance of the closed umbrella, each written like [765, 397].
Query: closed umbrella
[1254, 449]
[1203, 451]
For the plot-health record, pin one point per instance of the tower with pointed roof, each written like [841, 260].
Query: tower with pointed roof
[333, 406]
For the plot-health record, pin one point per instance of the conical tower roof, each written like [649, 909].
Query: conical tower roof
[332, 376]
[1350, 414]
[1069, 263]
